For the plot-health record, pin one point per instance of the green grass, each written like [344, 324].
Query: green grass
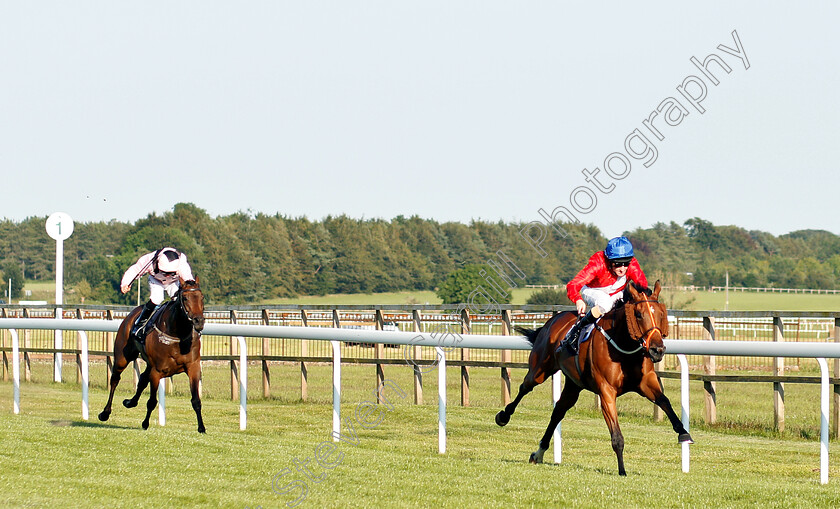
[400, 298]
[53, 458]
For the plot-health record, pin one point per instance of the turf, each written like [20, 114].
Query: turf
[53, 458]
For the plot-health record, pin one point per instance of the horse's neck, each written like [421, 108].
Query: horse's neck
[177, 323]
[618, 324]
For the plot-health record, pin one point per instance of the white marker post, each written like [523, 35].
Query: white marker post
[59, 227]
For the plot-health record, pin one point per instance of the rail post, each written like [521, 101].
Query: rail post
[835, 412]
[27, 343]
[304, 352]
[506, 357]
[243, 382]
[16, 369]
[779, 370]
[234, 375]
[684, 409]
[466, 327]
[78, 355]
[109, 347]
[84, 368]
[336, 365]
[418, 352]
[441, 399]
[5, 357]
[266, 350]
[379, 350]
[710, 368]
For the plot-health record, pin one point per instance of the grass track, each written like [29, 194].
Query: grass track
[52, 458]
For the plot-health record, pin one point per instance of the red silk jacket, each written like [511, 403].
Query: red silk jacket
[597, 275]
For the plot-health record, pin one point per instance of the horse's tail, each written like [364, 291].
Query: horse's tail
[530, 334]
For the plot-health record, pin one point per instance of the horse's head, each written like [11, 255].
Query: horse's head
[192, 302]
[647, 319]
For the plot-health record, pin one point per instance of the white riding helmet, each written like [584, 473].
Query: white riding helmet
[169, 260]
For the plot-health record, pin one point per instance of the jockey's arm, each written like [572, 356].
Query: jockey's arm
[136, 270]
[184, 270]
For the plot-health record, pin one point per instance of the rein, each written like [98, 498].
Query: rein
[614, 344]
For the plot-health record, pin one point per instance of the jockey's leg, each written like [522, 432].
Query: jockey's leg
[141, 320]
[592, 297]
[155, 298]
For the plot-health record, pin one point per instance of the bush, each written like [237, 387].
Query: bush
[548, 296]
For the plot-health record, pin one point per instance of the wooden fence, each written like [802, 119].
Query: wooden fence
[710, 370]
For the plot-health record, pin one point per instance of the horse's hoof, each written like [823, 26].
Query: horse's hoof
[145, 424]
[685, 438]
[129, 403]
[622, 473]
[535, 459]
[502, 418]
[202, 430]
[103, 416]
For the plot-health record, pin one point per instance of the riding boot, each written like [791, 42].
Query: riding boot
[141, 320]
[572, 337]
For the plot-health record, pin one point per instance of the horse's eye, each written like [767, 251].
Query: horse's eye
[638, 315]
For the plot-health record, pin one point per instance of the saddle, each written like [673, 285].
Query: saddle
[159, 309]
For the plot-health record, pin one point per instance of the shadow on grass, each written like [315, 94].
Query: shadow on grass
[88, 424]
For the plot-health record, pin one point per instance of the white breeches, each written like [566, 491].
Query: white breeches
[156, 289]
[598, 297]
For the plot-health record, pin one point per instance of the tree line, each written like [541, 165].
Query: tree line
[246, 257]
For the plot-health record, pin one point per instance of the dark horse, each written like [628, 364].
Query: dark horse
[618, 358]
[172, 346]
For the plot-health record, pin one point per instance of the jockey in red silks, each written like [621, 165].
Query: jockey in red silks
[164, 267]
[601, 284]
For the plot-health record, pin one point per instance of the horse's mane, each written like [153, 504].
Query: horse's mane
[639, 288]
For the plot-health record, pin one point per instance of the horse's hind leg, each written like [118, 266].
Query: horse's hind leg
[652, 390]
[154, 381]
[194, 372]
[142, 382]
[567, 400]
[534, 378]
[611, 416]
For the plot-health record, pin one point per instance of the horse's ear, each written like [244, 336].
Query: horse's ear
[196, 280]
[656, 289]
[181, 281]
[632, 289]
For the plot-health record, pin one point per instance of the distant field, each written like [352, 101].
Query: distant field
[715, 301]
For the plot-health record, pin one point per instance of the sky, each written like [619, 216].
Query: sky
[450, 110]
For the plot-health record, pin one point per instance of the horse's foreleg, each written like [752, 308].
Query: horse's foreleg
[567, 400]
[194, 372]
[154, 381]
[610, 412]
[652, 390]
[120, 363]
[142, 382]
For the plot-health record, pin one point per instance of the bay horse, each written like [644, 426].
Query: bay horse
[172, 345]
[618, 358]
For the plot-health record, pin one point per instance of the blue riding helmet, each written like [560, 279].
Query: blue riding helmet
[618, 248]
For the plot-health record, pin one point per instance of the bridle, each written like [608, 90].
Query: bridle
[645, 339]
[180, 299]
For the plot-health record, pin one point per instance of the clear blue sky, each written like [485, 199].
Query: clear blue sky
[448, 110]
